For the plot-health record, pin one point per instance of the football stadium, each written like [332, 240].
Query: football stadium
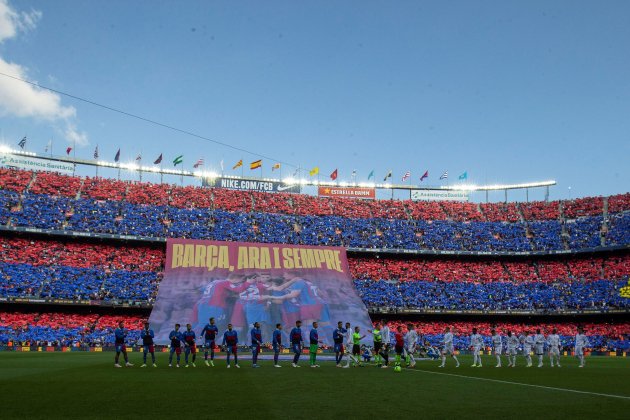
[181, 275]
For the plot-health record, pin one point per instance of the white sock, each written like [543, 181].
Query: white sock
[456, 361]
[443, 360]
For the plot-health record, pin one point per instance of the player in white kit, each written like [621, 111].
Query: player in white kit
[387, 341]
[497, 344]
[527, 341]
[539, 346]
[448, 347]
[349, 344]
[411, 339]
[476, 342]
[553, 341]
[512, 348]
[581, 342]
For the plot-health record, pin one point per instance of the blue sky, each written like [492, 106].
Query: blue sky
[508, 91]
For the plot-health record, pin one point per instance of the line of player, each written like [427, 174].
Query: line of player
[347, 345]
[536, 342]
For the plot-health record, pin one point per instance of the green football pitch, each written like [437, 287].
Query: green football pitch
[80, 385]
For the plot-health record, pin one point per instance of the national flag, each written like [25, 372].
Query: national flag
[296, 172]
[371, 175]
[333, 175]
[96, 152]
[117, 157]
[424, 176]
[464, 176]
[221, 165]
[255, 164]
[406, 176]
[158, 160]
[139, 158]
[22, 142]
[48, 146]
[314, 171]
[239, 163]
[444, 175]
[198, 163]
[389, 175]
[354, 173]
[179, 159]
[68, 150]
[274, 167]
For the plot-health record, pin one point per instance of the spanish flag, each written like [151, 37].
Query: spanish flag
[314, 171]
[239, 163]
[274, 167]
[255, 164]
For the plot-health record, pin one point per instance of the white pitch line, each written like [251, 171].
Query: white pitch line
[522, 384]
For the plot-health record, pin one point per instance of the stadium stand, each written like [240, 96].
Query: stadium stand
[126, 272]
[96, 205]
[54, 269]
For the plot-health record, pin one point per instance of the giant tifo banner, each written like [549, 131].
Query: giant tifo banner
[242, 283]
[11, 160]
[347, 192]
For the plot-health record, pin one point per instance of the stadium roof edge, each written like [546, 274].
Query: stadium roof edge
[158, 169]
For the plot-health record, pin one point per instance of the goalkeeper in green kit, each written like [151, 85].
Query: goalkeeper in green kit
[314, 344]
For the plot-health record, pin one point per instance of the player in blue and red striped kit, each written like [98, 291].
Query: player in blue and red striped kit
[230, 341]
[210, 332]
[120, 335]
[189, 344]
[338, 336]
[297, 342]
[256, 336]
[148, 346]
[176, 345]
[276, 342]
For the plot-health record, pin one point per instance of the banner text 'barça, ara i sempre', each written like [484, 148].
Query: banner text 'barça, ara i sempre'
[242, 283]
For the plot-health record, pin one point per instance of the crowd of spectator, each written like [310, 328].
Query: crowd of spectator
[124, 218]
[86, 271]
[53, 201]
[547, 271]
[65, 282]
[82, 255]
[13, 180]
[596, 295]
[619, 203]
[245, 201]
[79, 271]
[63, 329]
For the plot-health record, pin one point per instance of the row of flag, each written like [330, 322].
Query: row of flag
[406, 175]
[259, 163]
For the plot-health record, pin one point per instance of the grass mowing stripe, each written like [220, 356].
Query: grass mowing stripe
[521, 384]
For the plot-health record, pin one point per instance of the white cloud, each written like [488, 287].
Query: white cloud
[75, 136]
[23, 100]
[12, 22]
